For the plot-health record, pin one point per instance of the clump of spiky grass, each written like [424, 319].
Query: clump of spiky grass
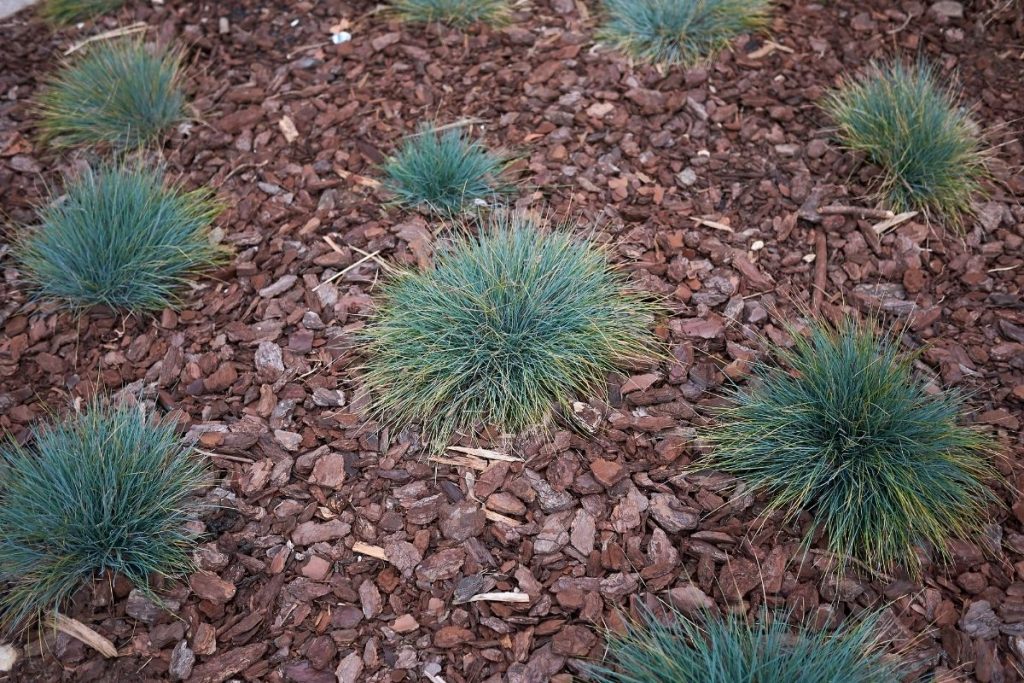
[120, 238]
[104, 489]
[444, 171]
[70, 11]
[118, 94]
[459, 13]
[731, 649]
[847, 432]
[506, 326]
[902, 119]
[686, 32]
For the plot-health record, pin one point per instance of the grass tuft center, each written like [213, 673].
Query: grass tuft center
[70, 11]
[459, 13]
[928, 148]
[104, 489]
[121, 239]
[444, 171]
[507, 325]
[846, 432]
[725, 650]
[686, 32]
[119, 94]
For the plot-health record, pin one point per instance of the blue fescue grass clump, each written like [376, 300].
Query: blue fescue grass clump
[901, 118]
[507, 325]
[70, 11]
[459, 13]
[118, 94]
[444, 171]
[731, 649]
[686, 32]
[121, 239]
[103, 489]
[845, 431]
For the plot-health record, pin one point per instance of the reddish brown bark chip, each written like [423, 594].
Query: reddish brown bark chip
[209, 586]
[225, 665]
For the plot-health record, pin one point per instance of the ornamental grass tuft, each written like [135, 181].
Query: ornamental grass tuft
[118, 94]
[121, 239]
[929, 150]
[686, 32]
[505, 327]
[730, 649]
[846, 432]
[444, 171]
[104, 489]
[71, 11]
[458, 13]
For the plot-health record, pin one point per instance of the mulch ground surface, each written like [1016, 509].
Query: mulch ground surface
[260, 365]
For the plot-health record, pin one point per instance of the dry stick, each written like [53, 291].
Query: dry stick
[858, 211]
[241, 168]
[232, 458]
[471, 121]
[137, 27]
[820, 273]
[485, 453]
[346, 268]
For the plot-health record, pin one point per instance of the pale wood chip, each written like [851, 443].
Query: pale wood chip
[502, 596]
[464, 461]
[288, 129]
[372, 550]
[498, 517]
[80, 631]
[768, 48]
[356, 178]
[433, 678]
[890, 223]
[8, 657]
[712, 224]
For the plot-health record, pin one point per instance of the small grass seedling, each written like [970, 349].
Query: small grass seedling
[104, 489]
[846, 432]
[713, 649]
[120, 238]
[70, 11]
[458, 13]
[686, 32]
[506, 326]
[444, 171]
[927, 147]
[118, 94]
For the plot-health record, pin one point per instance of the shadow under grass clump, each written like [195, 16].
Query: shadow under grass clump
[121, 239]
[444, 171]
[686, 32]
[458, 13]
[927, 147]
[70, 11]
[104, 489]
[118, 94]
[730, 649]
[506, 326]
[845, 431]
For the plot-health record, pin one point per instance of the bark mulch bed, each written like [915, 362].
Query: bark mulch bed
[705, 181]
